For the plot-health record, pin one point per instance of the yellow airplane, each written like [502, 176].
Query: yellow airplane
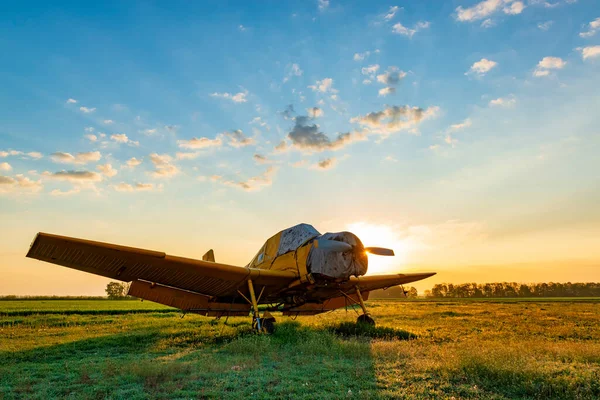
[298, 271]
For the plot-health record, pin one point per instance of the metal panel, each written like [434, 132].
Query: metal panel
[185, 300]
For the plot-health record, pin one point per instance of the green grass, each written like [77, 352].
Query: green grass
[80, 307]
[419, 349]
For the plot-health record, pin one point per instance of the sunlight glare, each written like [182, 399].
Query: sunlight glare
[381, 236]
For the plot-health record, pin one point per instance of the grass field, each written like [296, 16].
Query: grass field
[421, 349]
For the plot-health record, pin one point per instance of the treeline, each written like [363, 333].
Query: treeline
[16, 297]
[514, 289]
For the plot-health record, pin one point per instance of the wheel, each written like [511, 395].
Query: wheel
[365, 319]
[268, 325]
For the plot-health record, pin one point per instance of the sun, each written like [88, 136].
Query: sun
[381, 236]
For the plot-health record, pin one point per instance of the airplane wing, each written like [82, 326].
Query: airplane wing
[132, 264]
[374, 282]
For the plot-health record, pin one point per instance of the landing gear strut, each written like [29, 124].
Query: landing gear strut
[267, 322]
[366, 317]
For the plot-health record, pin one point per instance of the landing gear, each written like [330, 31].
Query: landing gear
[267, 322]
[268, 325]
[366, 317]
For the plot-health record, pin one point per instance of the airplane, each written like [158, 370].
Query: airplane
[298, 271]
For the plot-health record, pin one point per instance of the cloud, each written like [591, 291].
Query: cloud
[122, 138]
[314, 112]
[173, 128]
[36, 155]
[590, 52]
[293, 70]
[481, 67]
[367, 82]
[390, 159]
[548, 4]
[306, 137]
[450, 140]
[488, 23]
[5, 166]
[260, 159]
[79, 158]
[138, 187]
[107, 170]
[323, 5]
[370, 70]
[392, 76]
[487, 8]
[503, 102]
[391, 13]
[403, 30]
[91, 137]
[61, 193]
[148, 131]
[187, 155]
[87, 110]
[324, 86]
[548, 63]
[394, 119]
[237, 139]
[545, 25]
[10, 153]
[259, 121]
[108, 121]
[387, 90]
[19, 183]
[6, 180]
[74, 176]
[460, 126]
[361, 56]
[133, 162]
[242, 28]
[163, 166]
[593, 27]
[328, 163]
[71, 101]
[281, 147]
[200, 143]
[119, 138]
[236, 98]
[514, 8]
[289, 112]
[253, 184]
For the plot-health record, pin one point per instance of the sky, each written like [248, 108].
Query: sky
[465, 135]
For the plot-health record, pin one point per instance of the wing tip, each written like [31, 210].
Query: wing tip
[35, 238]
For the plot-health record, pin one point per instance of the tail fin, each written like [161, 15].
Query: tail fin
[209, 256]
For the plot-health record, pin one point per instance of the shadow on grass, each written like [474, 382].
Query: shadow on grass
[97, 347]
[351, 329]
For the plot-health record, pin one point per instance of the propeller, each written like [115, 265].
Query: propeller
[380, 251]
[342, 247]
[332, 245]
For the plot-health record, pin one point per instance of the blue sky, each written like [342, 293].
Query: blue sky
[464, 132]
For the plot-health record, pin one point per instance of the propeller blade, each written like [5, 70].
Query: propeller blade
[332, 245]
[380, 251]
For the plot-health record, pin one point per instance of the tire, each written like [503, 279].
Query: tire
[268, 325]
[365, 319]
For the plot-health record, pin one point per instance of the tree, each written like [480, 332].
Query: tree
[412, 293]
[117, 290]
